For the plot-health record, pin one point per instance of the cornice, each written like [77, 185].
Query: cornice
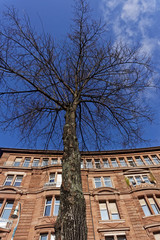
[83, 153]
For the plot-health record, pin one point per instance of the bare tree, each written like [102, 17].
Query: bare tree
[87, 86]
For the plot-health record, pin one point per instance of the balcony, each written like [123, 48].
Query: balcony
[50, 184]
[5, 223]
[143, 186]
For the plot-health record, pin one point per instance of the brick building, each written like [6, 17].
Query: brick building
[121, 188]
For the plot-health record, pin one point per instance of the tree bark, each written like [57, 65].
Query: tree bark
[71, 220]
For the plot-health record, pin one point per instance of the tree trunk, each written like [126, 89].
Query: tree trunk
[71, 220]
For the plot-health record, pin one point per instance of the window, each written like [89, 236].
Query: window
[26, 162]
[47, 236]
[98, 182]
[102, 182]
[48, 204]
[59, 180]
[54, 161]
[157, 236]
[109, 210]
[114, 162]
[122, 162]
[147, 160]
[149, 205]
[45, 162]
[113, 210]
[139, 161]
[17, 162]
[97, 163]
[52, 177]
[131, 162]
[138, 179]
[105, 163]
[52, 236]
[153, 205]
[14, 180]
[107, 182]
[7, 209]
[35, 162]
[116, 237]
[1, 202]
[89, 163]
[144, 207]
[155, 159]
[44, 236]
[49, 209]
[55, 178]
[56, 206]
[82, 164]
[9, 180]
[18, 181]
[103, 211]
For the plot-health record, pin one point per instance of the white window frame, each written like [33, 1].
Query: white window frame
[18, 180]
[27, 162]
[97, 163]
[7, 180]
[106, 163]
[58, 179]
[40, 238]
[52, 177]
[82, 163]
[139, 159]
[156, 235]
[98, 180]
[54, 161]
[150, 203]
[44, 161]
[123, 160]
[7, 208]
[56, 203]
[48, 204]
[89, 163]
[17, 160]
[155, 159]
[14, 180]
[109, 210]
[154, 205]
[131, 162]
[102, 181]
[52, 236]
[147, 160]
[35, 160]
[114, 162]
[115, 235]
[135, 182]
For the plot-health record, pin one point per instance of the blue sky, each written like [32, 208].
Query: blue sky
[131, 21]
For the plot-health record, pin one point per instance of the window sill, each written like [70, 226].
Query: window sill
[151, 216]
[112, 221]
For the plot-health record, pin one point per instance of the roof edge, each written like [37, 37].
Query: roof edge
[107, 152]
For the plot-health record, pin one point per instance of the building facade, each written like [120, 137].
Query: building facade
[121, 189]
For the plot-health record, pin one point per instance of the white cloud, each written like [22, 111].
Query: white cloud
[133, 21]
[131, 10]
[148, 45]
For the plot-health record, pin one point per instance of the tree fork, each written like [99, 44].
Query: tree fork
[71, 220]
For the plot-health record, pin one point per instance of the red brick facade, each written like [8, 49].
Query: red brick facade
[121, 188]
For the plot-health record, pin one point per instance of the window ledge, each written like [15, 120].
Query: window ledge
[154, 215]
[112, 221]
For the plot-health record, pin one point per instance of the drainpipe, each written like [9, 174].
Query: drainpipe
[91, 208]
